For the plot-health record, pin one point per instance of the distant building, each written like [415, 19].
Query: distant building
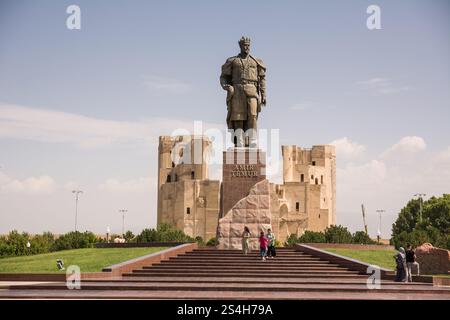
[188, 200]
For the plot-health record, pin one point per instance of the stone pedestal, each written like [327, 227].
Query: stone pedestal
[242, 169]
[252, 211]
[245, 197]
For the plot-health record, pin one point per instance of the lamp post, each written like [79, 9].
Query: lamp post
[108, 231]
[420, 196]
[123, 211]
[77, 194]
[380, 211]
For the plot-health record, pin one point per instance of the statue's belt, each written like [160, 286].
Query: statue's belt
[246, 82]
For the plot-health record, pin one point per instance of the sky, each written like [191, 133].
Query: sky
[83, 109]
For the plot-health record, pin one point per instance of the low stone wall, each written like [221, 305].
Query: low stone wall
[138, 245]
[50, 277]
[351, 246]
[441, 282]
[433, 260]
[353, 264]
[108, 272]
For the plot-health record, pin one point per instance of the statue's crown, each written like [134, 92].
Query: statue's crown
[244, 40]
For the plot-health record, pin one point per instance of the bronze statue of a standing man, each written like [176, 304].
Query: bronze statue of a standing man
[244, 79]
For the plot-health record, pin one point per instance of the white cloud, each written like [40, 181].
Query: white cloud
[19, 122]
[380, 86]
[138, 185]
[372, 173]
[406, 146]
[162, 85]
[347, 149]
[32, 185]
[389, 180]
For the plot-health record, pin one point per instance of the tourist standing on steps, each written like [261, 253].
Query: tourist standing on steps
[410, 261]
[400, 260]
[271, 248]
[245, 238]
[263, 241]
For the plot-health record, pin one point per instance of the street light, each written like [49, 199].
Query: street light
[108, 231]
[380, 211]
[76, 193]
[420, 196]
[123, 211]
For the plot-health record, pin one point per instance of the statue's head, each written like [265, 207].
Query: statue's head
[244, 44]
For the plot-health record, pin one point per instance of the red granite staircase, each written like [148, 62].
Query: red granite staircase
[228, 274]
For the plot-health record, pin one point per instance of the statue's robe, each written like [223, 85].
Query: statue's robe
[247, 77]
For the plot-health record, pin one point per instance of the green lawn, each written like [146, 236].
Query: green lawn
[381, 258]
[89, 260]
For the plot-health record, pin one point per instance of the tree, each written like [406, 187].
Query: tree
[433, 228]
[128, 236]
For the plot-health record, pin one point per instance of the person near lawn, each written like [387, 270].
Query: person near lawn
[263, 241]
[400, 260]
[410, 261]
[271, 247]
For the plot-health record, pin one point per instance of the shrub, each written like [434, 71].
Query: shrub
[200, 241]
[163, 233]
[312, 237]
[360, 237]
[15, 244]
[292, 240]
[147, 235]
[337, 234]
[212, 242]
[42, 243]
[74, 240]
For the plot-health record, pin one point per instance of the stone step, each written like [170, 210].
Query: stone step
[218, 280]
[265, 268]
[281, 255]
[241, 258]
[237, 271]
[193, 286]
[244, 264]
[239, 250]
[243, 275]
[241, 253]
[215, 295]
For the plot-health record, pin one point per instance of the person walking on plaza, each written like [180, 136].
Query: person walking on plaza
[263, 241]
[271, 248]
[410, 261]
[400, 260]
[245, 238]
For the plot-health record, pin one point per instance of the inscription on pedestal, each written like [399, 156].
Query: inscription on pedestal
[242, 169]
